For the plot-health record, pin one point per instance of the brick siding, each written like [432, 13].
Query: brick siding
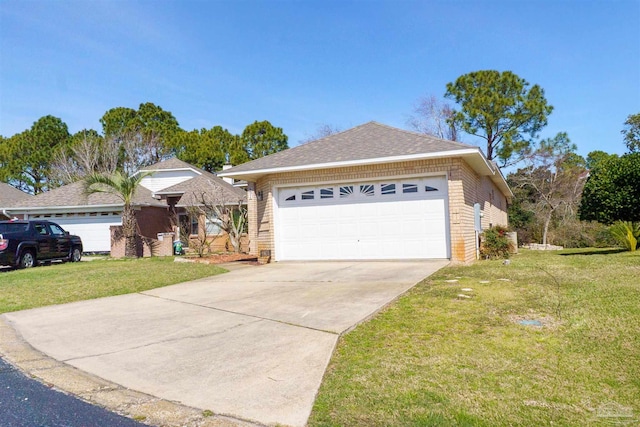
[465, 189]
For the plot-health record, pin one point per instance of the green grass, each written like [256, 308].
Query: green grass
[436, 359]
[61, 283]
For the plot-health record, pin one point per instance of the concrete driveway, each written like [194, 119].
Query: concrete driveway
[252, 344]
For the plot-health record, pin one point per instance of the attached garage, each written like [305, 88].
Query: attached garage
[92, 227]
[372, 192]
[364, 220]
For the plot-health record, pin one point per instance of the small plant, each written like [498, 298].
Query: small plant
[207, 413]
[495, 243]
[626, 234]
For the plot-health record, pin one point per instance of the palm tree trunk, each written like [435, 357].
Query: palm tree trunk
[129, 232]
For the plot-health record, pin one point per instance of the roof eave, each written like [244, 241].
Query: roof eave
[252, 175]
[154, 171]
[168, 193]
[473, 156]
[79, 208]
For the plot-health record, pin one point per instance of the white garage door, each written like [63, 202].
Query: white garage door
[93, 228]
[394, 219]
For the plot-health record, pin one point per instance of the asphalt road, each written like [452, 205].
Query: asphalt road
[28, 403]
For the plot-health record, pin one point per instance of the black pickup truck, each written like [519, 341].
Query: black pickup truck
[26, 243]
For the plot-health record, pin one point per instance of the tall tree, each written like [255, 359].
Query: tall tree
[554, 178]
[259, 139]
[205, 148]
[631, 132]
[116, 122]
[123, 186]
[143, 135]
[28, 156]
[4, 156]
[612, 190]
[87, 152]
[432, 116]
[597, 156]
[500, 108]
[155, 126]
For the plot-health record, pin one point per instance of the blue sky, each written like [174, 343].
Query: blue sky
[302, 64]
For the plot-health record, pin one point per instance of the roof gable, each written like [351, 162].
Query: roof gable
[73, 195]
[172, 163]
[365, 142]
[207, 183]
[10, 195]
[368, 144]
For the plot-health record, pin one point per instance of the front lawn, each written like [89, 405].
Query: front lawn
[439, 358]
[61, 283]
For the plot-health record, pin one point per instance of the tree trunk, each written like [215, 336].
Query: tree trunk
[129, 232]
[546, 229]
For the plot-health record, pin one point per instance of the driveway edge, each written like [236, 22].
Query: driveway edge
[139, 406]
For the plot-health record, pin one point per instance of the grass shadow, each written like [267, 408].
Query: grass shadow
[591, 251]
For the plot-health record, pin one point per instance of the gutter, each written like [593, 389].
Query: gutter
[81, 208]
[359, 162]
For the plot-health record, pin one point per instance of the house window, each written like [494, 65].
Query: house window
[388, 189]
[427, 188]
[290, 198]
[367, 189]
[307, 195]
[346, 191]
[326, 193]
[212, 226]
[194, 225]
[409, 188]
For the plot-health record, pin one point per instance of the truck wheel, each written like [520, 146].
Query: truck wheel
[75, 255]
[27, 260]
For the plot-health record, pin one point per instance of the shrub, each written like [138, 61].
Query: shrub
[626, 234]
[495, 243]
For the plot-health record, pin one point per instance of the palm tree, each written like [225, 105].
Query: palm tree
[123, 186]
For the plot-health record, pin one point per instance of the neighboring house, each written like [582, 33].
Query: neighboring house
[91, 216]
[190, 198]
[8, 197]
[372, 192]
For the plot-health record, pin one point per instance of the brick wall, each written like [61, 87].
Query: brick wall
[465, 189]
[153, 220]
[162, 245]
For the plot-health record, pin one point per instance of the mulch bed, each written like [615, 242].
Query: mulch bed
[222, 258]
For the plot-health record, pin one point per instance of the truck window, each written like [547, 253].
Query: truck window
[55, 230]
[8, 227]
[41, 229]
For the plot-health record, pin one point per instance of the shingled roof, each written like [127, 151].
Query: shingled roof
[73, 195]
[172, 163]
[206, 184]
[9, 195]
[367, 144]
[368, 141]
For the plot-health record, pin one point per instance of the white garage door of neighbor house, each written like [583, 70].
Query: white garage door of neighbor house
[93, 229]
[393, 219]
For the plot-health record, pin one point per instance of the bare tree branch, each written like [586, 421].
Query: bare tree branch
[431, 117]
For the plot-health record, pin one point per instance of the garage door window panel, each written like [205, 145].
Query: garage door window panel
[326, 193]
[387, 189]
[346, 191]
[409, 188]
[367, 190]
